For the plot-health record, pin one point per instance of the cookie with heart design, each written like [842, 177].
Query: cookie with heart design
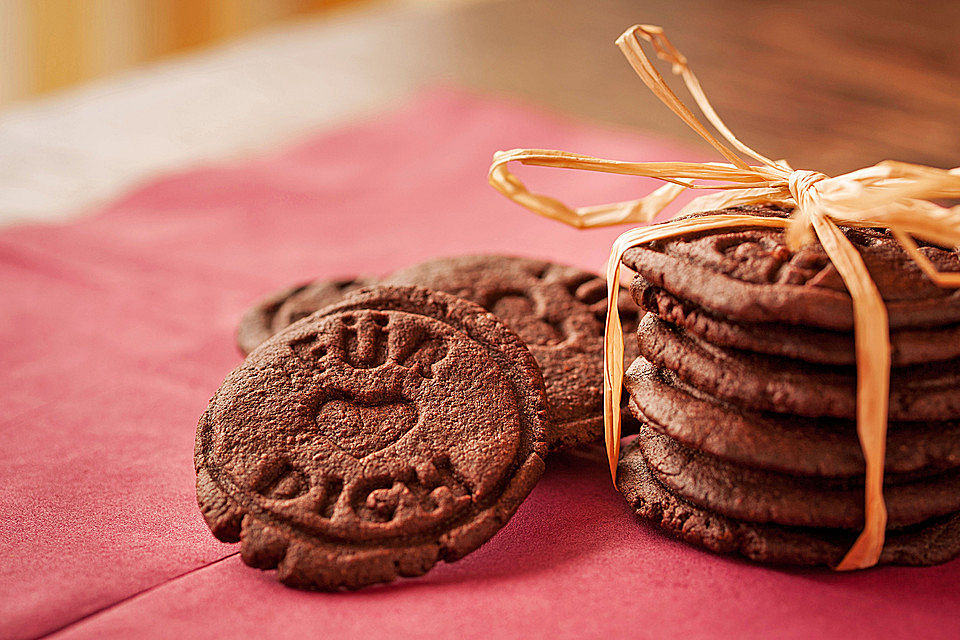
[392, 430]
[282, 308]
[558, 311]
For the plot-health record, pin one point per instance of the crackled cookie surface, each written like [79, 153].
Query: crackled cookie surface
[396, 429]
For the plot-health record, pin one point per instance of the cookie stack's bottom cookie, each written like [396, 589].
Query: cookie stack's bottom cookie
[746, 391]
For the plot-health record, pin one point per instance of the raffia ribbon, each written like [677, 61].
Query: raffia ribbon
[889, 195]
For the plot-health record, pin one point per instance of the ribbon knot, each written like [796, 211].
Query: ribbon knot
[802, 181]
[803, 189]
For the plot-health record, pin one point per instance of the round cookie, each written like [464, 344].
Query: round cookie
[931, 543]
[767, 383]
[282, 308]
[765, 497]
[395, 429]
[749, 275]
[786, 444]
[908, 346]
[558, 311]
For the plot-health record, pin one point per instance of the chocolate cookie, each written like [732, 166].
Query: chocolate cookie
[751, 276]
[392, 430]
[908, 346]
[799, 446]
[931, 543]
[767, 383]
[281, 309]
[559, 313]
[766, 497]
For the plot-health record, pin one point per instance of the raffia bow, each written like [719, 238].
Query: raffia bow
[889, 195]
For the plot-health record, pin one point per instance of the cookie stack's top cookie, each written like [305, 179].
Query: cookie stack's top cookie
[746, 386]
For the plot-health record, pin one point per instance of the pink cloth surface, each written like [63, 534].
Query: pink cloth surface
[117, 328]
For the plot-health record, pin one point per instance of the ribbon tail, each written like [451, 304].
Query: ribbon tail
[613, 364]
[871, 334]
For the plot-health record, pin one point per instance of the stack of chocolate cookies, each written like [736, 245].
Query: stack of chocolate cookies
[746, 391]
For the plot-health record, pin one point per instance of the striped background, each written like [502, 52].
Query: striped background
[48, 44]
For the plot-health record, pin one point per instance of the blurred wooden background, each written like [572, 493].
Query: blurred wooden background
[49, 44]
[827, 85]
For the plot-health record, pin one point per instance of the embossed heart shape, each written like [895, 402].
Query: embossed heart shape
[360, 429]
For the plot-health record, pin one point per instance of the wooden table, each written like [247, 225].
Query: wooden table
[827, 85]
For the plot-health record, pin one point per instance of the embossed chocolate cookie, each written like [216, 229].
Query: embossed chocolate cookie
[765, 497]
[395, 429]
[908, 346]
[751, 276]
[800, 446]
[559, 313]
[929, 543]
[766, 383]
[281, 309]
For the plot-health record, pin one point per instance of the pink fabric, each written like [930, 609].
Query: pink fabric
[116, 329]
